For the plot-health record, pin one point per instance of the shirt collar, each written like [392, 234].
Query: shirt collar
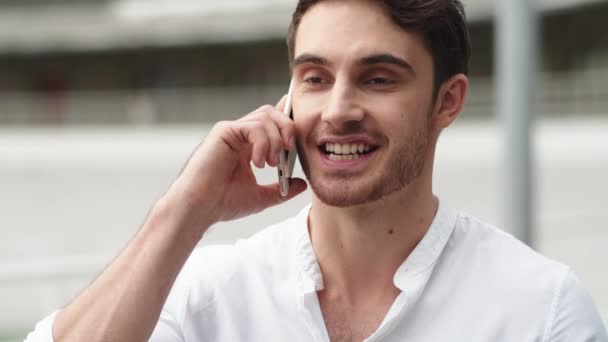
[429, 248]
[309, 275]
[421, 259]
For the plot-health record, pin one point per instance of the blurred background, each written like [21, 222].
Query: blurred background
[101, 103]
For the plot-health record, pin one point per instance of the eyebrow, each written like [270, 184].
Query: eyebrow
[310, 58]
[383, 58]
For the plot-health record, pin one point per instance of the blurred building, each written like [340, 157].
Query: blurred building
[163, 61]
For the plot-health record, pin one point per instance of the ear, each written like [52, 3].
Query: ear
[450, 101]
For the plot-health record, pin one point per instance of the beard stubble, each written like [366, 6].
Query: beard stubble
[404, 164]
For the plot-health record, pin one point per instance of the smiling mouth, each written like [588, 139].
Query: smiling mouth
[342, 152]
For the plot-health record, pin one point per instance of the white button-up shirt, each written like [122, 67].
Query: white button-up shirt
[465, 281]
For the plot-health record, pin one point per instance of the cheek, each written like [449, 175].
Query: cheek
[396, 110]
[303, 128]
[417, 95]
[416, 107]
[307, 111]
[306, 104]
[400, 119]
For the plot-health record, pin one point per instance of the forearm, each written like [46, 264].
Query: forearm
[125, 301]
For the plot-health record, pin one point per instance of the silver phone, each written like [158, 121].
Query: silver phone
[287, 159]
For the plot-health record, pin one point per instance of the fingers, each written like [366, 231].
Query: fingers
[276, 142]
[255, 133]
[282, 121]
[271, 194]
[269, 131]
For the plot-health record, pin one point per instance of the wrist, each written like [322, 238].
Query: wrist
[182, 214]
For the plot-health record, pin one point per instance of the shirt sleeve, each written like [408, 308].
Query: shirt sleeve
[575, 318]
[167, 329]
[43, 332]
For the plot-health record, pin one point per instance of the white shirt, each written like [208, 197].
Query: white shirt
[465, 281]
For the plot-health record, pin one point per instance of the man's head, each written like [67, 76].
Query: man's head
[441, 23]
[379, 79]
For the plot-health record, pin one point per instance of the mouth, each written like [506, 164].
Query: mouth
[346, 152]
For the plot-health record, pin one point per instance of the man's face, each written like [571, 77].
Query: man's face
[362, 102]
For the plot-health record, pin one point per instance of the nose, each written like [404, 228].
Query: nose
[342, 108]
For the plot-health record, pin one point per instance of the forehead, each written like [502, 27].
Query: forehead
[343, 30]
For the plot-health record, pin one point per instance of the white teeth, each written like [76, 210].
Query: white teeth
[346, 149]
[343, 157]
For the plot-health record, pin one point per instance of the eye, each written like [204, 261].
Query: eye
[314, 80]
[379, 81]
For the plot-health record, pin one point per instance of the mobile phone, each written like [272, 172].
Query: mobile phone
[287, 159]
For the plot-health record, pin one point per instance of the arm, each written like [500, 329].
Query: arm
[217, 184]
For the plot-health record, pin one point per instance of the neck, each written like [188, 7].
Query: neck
[360, 248]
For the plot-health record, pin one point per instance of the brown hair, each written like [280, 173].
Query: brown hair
[441, 23]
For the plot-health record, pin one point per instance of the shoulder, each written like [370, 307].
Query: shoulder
[529, 282]
[574, 316]
[496, 248]
[503, 267]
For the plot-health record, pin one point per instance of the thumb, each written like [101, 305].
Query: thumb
[271, 194]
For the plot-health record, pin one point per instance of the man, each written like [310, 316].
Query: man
[376, 256]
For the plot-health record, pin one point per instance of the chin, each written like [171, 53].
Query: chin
[343, 194]
[349, 191]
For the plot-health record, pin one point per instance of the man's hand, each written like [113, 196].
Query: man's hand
[218, 180]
